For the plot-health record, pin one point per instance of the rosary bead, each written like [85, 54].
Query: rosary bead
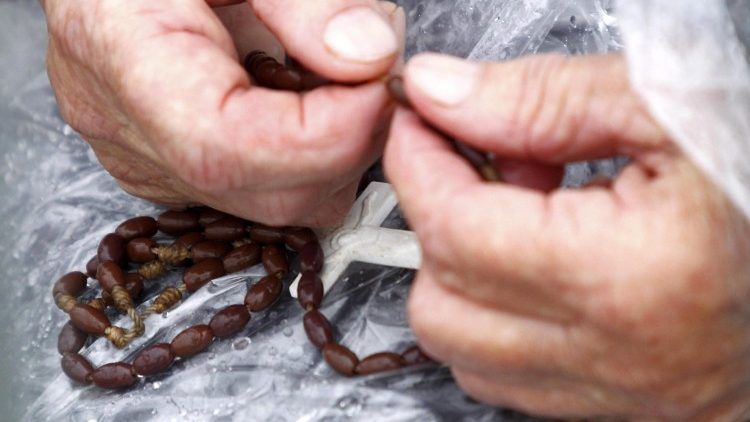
[210, 215]
[266, 235]
[229, 321]
[73, 284]
[209, 249]
[243, 257]
[201, 273]
[154, 359]
[227, 229]
[109, 274]
[91, 266]
[77, 368]
[287, 79]
[395, 87]
[340, 358]
[112, 248]
[414, 356]
[192, 341]
[188, 240]
[114, 376]
[137, 227]
[318, 328]
[177, 223]
[263, 294]
[379, 362]
[89, 320]
[297, 237]
[71, 339]
[310, 290]
[311, 257]
[139, 250]
[274, 261]
[134, 284]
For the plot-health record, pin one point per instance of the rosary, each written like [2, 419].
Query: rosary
[210, 244]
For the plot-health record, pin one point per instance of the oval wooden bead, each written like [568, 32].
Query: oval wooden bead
[72, 283]
[379, 362]
[139, 250]
[71, 339]
[240, 258]
[274, 261]
[263, 293]
[77, 368]
[137, 227]
[192, 341]
[310, 290]
[188, 240]
[209, 249]
[340, 358]
[227, 229]
[134, 284]
[229, 321]
[177, 223]
[109, 274]
[311, 257]
[154, 359]
[287, 79]
[297, 237]
[318, 328]
[210, 215]
[91, 266]
[111, 248]
[89, 320]
[266, 235]
[395, 87]
[114, 375]
[414, 356]
[201, 273]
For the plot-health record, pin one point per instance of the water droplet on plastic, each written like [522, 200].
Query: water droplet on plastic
[351, 405]
[272, 351]
[294, 353]
[241, 344]
[156, 385]
[288, 331]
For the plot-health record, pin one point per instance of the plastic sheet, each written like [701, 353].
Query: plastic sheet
[57, 203]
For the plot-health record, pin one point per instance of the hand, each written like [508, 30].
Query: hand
[156, 88]
[627, 300]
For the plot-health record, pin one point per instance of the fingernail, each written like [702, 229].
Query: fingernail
[446, 80]
[360, 35]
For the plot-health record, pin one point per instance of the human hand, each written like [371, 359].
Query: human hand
[627, 300]
[156, 88]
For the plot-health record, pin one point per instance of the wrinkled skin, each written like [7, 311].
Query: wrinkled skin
[156, 88]
[624, 300]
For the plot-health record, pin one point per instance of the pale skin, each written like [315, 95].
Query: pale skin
[621, 300]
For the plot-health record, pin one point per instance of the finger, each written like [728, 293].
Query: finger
[548, 109]
[344, 40]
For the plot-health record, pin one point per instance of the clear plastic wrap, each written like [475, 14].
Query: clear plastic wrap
[57, 203]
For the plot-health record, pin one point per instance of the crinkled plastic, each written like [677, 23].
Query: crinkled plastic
[57, 203]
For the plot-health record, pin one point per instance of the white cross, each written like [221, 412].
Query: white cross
[360, 238]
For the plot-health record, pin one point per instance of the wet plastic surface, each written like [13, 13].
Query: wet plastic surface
[57, 203]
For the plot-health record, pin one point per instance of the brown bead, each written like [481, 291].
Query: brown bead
[340, 358]
[274, 261]
[298, 237]
[91, 266]
[209, 249]
[73, 284]
[210, 215]
[227, 229]
[134, 284]
[310, 290]
[201, 273]
[263, 293]
[71, 339]
[77, 368]
[264, 72]
[109, 274]
[192, 341]
[379, 362]
[139, 250]
[240, 258]
[287, 79]
[112, 248]
[187, 240]
[177, 223]
[311, 257]
[414, 356]
[114, 375]
[229, 321]
[395, 87]
[154, 359]
[318, 328]
[89, 320]
[266, 235]
[137, 227]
